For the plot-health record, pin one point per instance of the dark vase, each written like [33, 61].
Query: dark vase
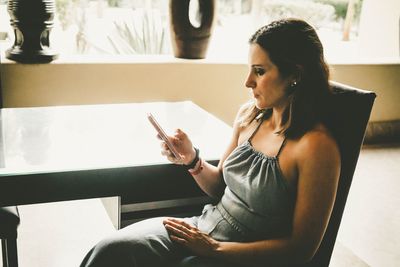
[32, 21]
[187, 40]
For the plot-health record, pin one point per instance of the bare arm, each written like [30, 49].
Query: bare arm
[318, 165]
[210, 179]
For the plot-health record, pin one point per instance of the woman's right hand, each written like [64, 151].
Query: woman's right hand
[183, 146]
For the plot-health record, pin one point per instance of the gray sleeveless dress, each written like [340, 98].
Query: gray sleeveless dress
[257, 204]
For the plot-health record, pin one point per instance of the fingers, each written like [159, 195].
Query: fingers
[180, 135]
[178, 230]
[165, 151]
[180, 233]
[181, 222]
[179, 226]
[181, 143]
[178, 240]
[191, 237]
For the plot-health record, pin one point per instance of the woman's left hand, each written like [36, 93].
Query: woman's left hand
[191, 237]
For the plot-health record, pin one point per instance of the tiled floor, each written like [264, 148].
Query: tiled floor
[370, 227]
[59, 234]
[344, 257]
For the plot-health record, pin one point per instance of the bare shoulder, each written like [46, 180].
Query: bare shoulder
[236, 133]
[317, 144]
[242, 122]
[243, 111]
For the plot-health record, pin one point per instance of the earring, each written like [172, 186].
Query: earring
[294, 83]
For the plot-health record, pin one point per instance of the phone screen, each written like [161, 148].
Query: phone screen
[163, 135]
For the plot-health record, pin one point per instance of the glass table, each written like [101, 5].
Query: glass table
[74, 152]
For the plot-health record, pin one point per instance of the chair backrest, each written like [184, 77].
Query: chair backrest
[347, 118]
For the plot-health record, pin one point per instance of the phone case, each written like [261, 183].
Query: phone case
[163, 135]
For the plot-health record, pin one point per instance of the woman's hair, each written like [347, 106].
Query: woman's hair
[294, 47]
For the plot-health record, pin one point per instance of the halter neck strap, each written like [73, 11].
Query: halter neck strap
[280, 149]
[255, 131]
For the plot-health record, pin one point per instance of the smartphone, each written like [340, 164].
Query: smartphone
[163, 135]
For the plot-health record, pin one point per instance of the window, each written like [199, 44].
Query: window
[115, 27]
[112, 26]
[336, 21]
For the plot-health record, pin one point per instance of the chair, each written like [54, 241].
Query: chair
[347, 118]
[9, 221]
[9, 216]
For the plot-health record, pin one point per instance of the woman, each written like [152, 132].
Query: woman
[276, 182]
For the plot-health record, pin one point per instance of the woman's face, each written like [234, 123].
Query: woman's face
[268, 87]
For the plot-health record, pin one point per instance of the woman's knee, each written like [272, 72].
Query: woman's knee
[131, 246]
[110, 252]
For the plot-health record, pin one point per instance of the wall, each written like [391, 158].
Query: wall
[383, 79]
[217, 87]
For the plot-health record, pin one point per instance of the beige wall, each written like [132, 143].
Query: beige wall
[384, 80]
[216, 87]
